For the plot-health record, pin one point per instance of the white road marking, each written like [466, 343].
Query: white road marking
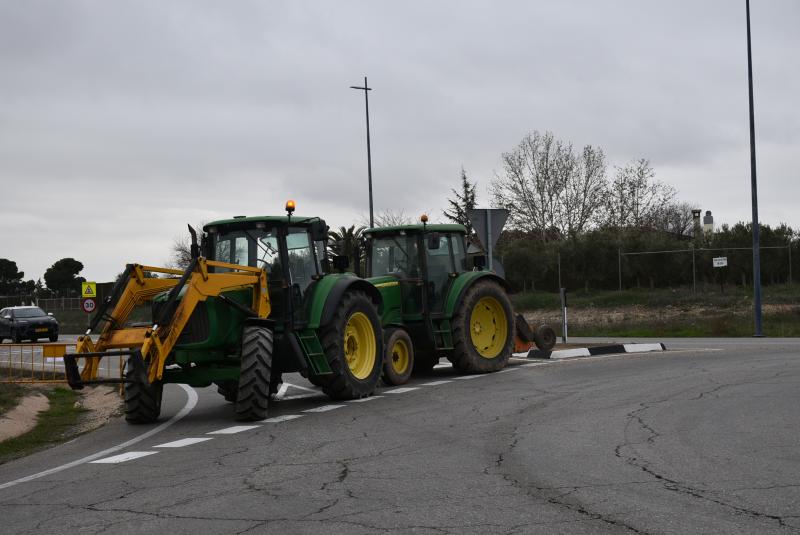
[122, 457]
[324, 408]
[282, 391]
[233, 430]
[183, 442]
[300, 396]
[402, 390]
[362, 400]
[307, 389]
[465, 377]
[506, 370]
[284, 418]
[436, 383]
[443, 365]
[191, 402]
[531, 364]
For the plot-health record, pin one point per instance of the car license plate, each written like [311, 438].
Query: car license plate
[41, 330]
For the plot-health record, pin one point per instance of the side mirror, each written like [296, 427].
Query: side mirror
[319, 230]
[433, 241]
[479, 262]
[341, 262]
[50, 314]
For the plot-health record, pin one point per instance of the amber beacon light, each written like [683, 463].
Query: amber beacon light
[290, 206]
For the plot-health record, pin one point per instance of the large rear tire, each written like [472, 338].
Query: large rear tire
[353, 345]
[252, 399]
[398, 358]
[483, 330]
[142, 401]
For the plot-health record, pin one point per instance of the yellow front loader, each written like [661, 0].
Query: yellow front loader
[177, 322]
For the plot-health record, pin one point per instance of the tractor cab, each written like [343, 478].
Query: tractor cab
[424, 259]
[291, 249]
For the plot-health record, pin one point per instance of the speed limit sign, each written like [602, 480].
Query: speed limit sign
[88, 305]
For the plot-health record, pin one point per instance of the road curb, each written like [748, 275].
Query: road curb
[593, 351]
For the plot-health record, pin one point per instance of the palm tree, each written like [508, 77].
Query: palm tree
[343, 242]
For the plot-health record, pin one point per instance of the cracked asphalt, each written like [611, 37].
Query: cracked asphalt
[699, 439]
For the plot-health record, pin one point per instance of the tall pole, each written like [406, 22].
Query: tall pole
[754, 188]
[694, 273]
[619, 267]
[366, 90]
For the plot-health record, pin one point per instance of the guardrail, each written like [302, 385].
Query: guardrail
[44, 363]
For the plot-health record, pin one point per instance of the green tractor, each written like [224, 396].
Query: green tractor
[257, 301]
[435, 306]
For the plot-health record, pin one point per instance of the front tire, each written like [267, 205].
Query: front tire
[353, 345]
[483, 330]
[398, 359]
[142, 401]
[252, 399]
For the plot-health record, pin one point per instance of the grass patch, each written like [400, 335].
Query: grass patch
[10, 394]
[54, 425]
[659, 297]
[774, 325]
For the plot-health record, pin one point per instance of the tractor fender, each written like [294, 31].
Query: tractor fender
[331, 295]
[464, 282]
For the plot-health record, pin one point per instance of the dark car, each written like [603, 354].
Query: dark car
[27, 323]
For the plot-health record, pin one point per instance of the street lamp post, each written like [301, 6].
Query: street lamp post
[754, 188]
[366, 90]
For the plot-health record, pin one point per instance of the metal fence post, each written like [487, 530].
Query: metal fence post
[559, 269]
[790, 264]
[619, 268]
[694, 273]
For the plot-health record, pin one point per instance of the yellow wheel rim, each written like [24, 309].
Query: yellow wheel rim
[488, 327]
[400, 357]
[359, 345]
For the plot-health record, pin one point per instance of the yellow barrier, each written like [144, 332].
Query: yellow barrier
[43, 363]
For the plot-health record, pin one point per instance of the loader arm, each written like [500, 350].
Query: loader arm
[152, 344]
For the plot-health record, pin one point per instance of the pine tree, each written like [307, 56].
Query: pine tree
[462, 203]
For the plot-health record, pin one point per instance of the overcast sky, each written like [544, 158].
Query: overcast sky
[121, 122]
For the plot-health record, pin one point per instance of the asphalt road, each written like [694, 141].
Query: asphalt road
[702, 438]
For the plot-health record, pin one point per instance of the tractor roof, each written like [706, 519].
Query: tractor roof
[417, 228]
[247, 222]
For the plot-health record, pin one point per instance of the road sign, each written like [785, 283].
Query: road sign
[88, 290]
[720, 261]
[88, 305]
[487, 224]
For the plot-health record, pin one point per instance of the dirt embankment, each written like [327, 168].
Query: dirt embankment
[593, 316]
[101, 404]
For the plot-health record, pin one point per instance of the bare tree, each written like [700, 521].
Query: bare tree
[675, 218]
[635, 197]
[388, 218]
[549, 190]
[584, 194]
[182, 249]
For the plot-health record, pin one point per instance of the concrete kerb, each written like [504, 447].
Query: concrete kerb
[592, 351]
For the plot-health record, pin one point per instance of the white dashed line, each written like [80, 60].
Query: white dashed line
[183, 442]
[444, 365]
[362, 400]
[284, 418]
[300, 396]
[436, 383]
[532, 364]
[124, 457]
[324, 408]
[307, 389]
[402, 390]
[233, 430]
[465, 377]
[506, 370]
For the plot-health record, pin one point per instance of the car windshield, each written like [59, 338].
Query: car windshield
[34, 312]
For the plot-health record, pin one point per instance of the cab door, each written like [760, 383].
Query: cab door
[440, 270]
